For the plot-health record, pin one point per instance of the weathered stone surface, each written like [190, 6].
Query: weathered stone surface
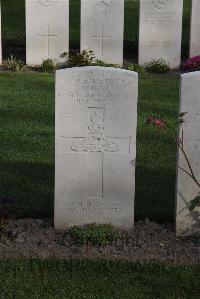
[195, 29]
[96, 116]
[189, 222]
[160, 31]
[102, 28]
[47, 30]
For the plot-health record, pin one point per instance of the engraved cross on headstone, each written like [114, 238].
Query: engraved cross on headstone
[47, 36]
[96, 144]
[102, 37]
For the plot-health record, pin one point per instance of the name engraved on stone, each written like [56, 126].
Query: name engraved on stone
[163, 44]
[103, 91]
[47, 37]
[161, 4]
[46, 3]
[161, 19]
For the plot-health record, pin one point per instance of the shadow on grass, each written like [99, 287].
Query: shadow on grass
[30, 186]
[155, 194]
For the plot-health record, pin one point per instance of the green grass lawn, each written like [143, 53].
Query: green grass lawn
[99, 279]
[27, 173]
[27, 145]
[13, 27]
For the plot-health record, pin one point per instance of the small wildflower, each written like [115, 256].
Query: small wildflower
[159, 123]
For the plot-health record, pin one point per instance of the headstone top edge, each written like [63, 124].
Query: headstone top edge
[190, 74]
[95, 68]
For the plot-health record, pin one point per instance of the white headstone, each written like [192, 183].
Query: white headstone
[160, 31]
[189, 222]
[0, 37]
[47, 30]
[96, 116]
[195, 29]
[102, 29]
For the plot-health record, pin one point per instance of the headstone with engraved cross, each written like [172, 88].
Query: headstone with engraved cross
[102, 27]
[188, 164]
[160, 31]
[96, 115]
[47, 30]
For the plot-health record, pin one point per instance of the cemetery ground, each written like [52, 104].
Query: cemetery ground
[27, 183]
[99, 279]
[156, 264]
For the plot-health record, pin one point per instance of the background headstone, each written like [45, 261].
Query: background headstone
[189, 222]
[102, 29]
[160, 31]
[195, 29]
[47, 30]
[96, 115]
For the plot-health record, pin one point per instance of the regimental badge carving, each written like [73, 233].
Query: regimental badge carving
[96, 141]
[104, 4]
[46, 3]
[161, 4]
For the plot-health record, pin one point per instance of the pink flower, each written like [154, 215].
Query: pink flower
[155, 121]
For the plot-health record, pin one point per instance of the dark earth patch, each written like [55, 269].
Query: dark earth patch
[148, 242]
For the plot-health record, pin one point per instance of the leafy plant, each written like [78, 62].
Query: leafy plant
[160, 124]
[75, 59]
[14, 64]
[192, 64]
[99, 62]
[85, 58]
[159, 66]
[195, 203]
[93, 234]
[48, 66]
[134, 67]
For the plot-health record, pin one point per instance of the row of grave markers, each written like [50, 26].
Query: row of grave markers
[102, 28]
[95, 153]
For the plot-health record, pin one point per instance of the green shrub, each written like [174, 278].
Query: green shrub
[134, 67]
[93, 234]
[48, 66]
[14, 64]
[159, 66]
[85, 58]
[99, 62]
[75, 59]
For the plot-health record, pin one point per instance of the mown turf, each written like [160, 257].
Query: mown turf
[27, 145]
[13, 27]
[98, 279]
[27, 142]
